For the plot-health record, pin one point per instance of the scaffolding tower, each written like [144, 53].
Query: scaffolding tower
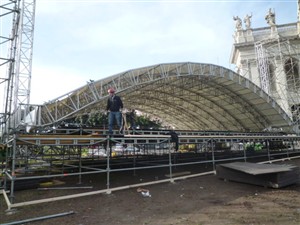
[17, 19]
[278, 66]
[16, 45]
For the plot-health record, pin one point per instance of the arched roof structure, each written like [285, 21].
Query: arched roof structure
[188, 96]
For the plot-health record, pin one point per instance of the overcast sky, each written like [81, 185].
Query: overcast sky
[75, 41]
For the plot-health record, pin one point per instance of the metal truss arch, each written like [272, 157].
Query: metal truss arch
[224, 96]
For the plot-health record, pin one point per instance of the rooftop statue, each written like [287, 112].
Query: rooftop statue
[238, 23]
[270, 18]
[247, 21]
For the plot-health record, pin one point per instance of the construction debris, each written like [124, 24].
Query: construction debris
[144, 192]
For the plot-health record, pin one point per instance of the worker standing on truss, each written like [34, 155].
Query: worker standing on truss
[114, 107]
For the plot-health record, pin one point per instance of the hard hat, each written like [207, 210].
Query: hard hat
[111, 90]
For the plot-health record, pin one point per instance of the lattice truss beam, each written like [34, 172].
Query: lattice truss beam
[24, 57]
[263, 66]
[185, 95]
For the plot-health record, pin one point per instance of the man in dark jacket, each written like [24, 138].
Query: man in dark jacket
[114, 106]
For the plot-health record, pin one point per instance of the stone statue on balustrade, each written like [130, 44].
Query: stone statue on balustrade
[247, 21]
[270, 18]
[238, 23]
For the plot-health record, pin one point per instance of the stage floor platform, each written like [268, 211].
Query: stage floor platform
[267, 175]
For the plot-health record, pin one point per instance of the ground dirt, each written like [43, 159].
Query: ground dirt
[204, 200]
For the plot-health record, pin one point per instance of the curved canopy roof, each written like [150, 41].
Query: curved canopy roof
[188, 96]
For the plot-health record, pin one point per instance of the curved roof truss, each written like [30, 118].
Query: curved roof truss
[189, 96]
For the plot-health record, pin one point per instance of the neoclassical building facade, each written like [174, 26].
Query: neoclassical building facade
[269, 57]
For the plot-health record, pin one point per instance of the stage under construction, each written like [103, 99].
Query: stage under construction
[259, 103]
[76, 154]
